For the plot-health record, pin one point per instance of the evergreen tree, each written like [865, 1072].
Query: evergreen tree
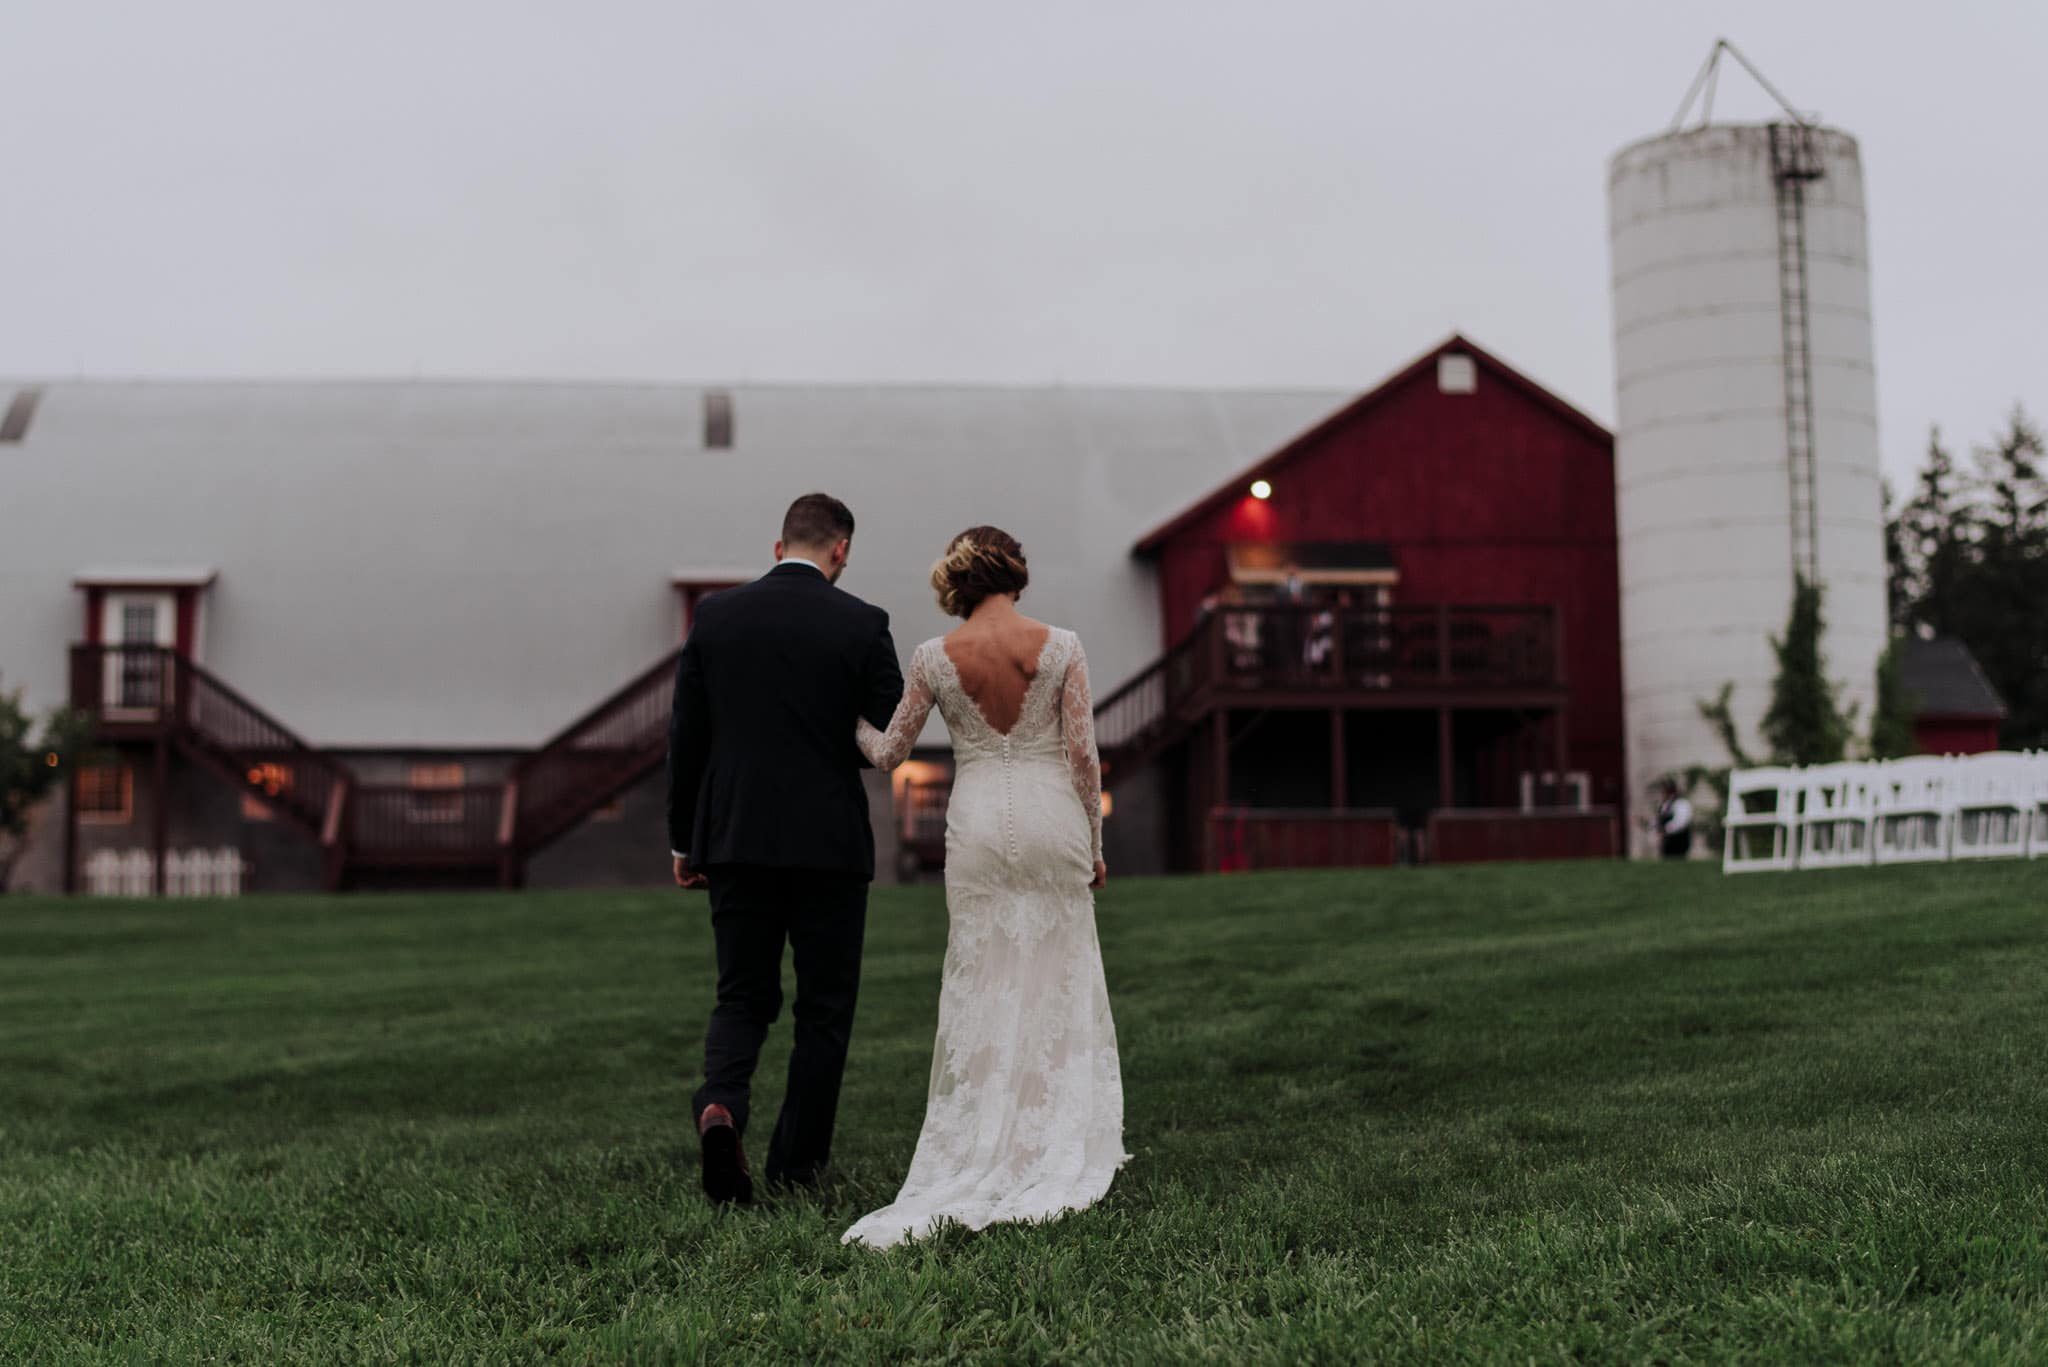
[1891, 721]
[1898, 569]
[1805, 723]
[1934, 532]
[1971, 561]
[31, 767]
[2003, 613]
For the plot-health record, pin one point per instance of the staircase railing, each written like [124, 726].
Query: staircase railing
[157, 686]
[1148, 711]
[419, 825]
[592, 760]
[1313, 651]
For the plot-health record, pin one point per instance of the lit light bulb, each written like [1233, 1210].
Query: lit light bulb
[1261, 489]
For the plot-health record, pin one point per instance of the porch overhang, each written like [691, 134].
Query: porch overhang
[1336, 563]
[145, 578]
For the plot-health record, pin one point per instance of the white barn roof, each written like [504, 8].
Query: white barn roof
[476, 564]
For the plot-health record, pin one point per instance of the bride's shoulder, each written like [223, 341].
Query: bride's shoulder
[1070, 641]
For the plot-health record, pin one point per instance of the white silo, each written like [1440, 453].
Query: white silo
[1746, 431]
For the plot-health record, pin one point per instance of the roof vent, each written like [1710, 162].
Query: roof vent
[1455, 373]
[717, 420]
[14, 426]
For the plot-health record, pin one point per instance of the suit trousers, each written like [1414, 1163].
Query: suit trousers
[823, 917]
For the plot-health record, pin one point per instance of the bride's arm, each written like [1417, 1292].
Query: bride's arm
[1077, 727]
[887, 749]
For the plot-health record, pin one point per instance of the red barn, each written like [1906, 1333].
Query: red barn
[1956, 710]
[1399, 631]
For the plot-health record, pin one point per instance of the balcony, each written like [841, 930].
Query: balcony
[1314, 655]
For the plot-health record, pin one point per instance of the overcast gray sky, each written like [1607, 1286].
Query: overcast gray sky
[1293, 193]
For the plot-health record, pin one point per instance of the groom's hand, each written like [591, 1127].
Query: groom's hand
[688, 878]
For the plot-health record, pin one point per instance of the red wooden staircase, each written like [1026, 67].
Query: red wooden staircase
[155, 693]
[148, 693]
[597, 757]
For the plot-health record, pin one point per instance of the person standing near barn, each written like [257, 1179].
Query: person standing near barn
[1674, 822]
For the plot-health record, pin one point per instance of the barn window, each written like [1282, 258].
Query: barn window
[1456, 374]
[717, 420]
[436, 796]
[106, 794]
[268, 779]
[14, 426]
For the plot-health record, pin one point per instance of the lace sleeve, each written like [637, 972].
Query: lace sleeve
[887, 749]
[1077, 728]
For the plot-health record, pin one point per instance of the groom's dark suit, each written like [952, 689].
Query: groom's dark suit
[765, 798]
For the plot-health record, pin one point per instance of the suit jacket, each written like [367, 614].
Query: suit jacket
[762, 764]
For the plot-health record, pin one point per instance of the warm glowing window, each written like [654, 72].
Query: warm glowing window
[106, 794]
[266, 780]
[437, 792]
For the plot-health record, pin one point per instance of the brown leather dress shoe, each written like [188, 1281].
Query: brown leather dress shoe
[726, 1179]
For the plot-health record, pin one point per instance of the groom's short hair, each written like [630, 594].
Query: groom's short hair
[817, 520]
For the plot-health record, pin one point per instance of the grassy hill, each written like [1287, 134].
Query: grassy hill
[1603, 1111]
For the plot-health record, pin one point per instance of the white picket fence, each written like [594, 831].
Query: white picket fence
[1902, 811]
[187, 873]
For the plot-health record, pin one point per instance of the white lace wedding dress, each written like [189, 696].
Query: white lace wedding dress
[1025, 1115]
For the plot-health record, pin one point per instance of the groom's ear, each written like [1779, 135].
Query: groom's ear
[778, 552]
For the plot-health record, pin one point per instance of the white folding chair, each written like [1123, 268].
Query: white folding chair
[1994, 807]
[1759, 824]
[2037, 825]
[1912, 807]
[1835, 810]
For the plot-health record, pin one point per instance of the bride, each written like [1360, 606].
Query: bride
[1025, 1115]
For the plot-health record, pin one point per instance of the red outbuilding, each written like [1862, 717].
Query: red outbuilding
[1397, 634]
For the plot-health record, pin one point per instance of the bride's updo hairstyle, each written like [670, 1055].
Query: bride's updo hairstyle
[978, 564]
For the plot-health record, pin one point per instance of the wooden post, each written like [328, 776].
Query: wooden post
[71, 828]
[510, 872]
[1528, 753]
[1558, 673]
[1446, 786]
[181, 678]
[162, 814]
[1339, 798]
[1219, 783]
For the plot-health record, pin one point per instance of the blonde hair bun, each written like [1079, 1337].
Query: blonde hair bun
[979, 564]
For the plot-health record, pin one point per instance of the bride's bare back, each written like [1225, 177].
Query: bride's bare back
[997, 653]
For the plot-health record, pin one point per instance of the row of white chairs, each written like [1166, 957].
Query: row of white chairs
[187, 873]
[1901, 811]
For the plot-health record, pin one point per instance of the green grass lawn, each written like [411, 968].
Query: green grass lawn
[1596, 1112]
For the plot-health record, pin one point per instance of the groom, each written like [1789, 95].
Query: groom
[766, 808]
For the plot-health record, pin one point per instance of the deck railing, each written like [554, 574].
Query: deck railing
[597, 755]
[1242, 838]
[153, 687]
[402, 823]
[1319, 649]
